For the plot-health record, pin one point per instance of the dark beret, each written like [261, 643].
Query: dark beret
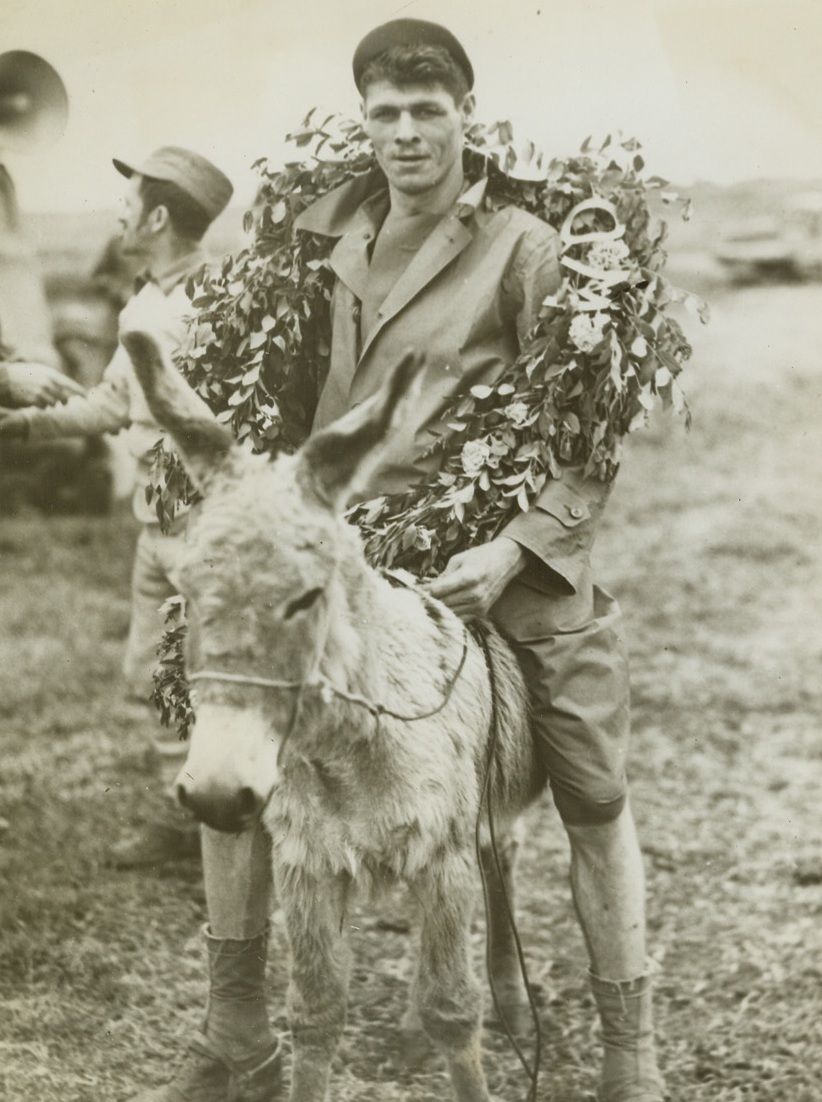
[409, 32]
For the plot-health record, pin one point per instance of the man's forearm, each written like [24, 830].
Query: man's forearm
[103, 409]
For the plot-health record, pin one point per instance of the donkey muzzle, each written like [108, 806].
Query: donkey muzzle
[231, 810]
[230, 770]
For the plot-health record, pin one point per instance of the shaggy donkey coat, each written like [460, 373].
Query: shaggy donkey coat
[296, 635]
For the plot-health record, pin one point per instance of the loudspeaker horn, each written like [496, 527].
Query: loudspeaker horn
[33, 101]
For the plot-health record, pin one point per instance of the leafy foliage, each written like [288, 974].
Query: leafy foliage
[171, 695]
[605, 350]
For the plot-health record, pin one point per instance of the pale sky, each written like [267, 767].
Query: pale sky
[714, 89]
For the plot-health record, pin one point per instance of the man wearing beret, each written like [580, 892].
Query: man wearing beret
[421, 261]
[170, 200]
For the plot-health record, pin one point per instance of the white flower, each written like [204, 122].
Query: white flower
[517, 413]
[422, 538]
[607, 255]
[474, 455]
[587, 331]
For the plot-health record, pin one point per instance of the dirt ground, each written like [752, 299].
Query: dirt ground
[711, 545]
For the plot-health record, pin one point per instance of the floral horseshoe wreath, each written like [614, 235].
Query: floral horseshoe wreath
[604, 352]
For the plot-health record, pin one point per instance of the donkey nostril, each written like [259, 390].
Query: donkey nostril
[231, 810]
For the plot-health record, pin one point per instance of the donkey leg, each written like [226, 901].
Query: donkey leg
[508, 985]
[318, 989]
[449, 997]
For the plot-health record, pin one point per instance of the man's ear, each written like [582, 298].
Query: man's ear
[159, 219]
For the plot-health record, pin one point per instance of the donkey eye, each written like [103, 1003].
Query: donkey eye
[300, 604]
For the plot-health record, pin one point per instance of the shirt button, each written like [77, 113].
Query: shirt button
[575, 511]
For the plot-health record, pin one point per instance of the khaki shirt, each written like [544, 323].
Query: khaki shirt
[468, 300]
[118, 401]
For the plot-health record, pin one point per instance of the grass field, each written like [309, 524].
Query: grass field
[711, 544]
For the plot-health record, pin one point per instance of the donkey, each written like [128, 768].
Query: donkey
[353, 715]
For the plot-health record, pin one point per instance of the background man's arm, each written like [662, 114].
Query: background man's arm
[34, 384]
[104, 408]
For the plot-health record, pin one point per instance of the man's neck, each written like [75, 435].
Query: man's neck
[170, 256]
[438, 200]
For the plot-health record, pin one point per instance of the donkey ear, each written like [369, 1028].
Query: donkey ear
[202, 442]
[338, 460]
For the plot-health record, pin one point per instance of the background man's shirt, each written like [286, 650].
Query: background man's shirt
[118, 401]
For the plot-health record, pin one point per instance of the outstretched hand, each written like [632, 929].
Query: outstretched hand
[473, 580]
[33, 384]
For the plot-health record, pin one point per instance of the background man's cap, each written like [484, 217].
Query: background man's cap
[195, 175]
[409, 32]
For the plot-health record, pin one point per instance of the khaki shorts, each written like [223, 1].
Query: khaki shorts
[573, 655]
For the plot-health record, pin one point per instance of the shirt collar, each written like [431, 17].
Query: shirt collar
[366, 199]
[168, 277]
[469, 202]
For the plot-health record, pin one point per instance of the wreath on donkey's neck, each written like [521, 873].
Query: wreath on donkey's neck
[604, 352]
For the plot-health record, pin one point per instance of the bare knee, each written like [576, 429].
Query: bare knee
[601, 839]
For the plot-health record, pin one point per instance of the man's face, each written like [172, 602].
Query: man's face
[417, 133]
[135, 236]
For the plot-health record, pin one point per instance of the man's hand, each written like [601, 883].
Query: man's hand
[30, 384]
[473, 580]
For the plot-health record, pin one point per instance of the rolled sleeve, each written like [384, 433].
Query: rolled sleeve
[558, 531]
[104, 408]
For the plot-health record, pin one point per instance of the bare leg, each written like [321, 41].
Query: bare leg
[608, 883]
[236, 1054]
[237, 873]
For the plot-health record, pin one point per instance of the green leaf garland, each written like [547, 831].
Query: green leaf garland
[605, 351]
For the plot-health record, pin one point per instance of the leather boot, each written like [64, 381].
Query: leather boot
[237, 1058]
[629, 1068]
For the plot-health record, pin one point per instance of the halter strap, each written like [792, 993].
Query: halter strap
[328, 690]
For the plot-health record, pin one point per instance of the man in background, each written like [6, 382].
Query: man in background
[170, 201]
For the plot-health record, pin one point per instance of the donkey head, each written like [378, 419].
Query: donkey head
[269, 573]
